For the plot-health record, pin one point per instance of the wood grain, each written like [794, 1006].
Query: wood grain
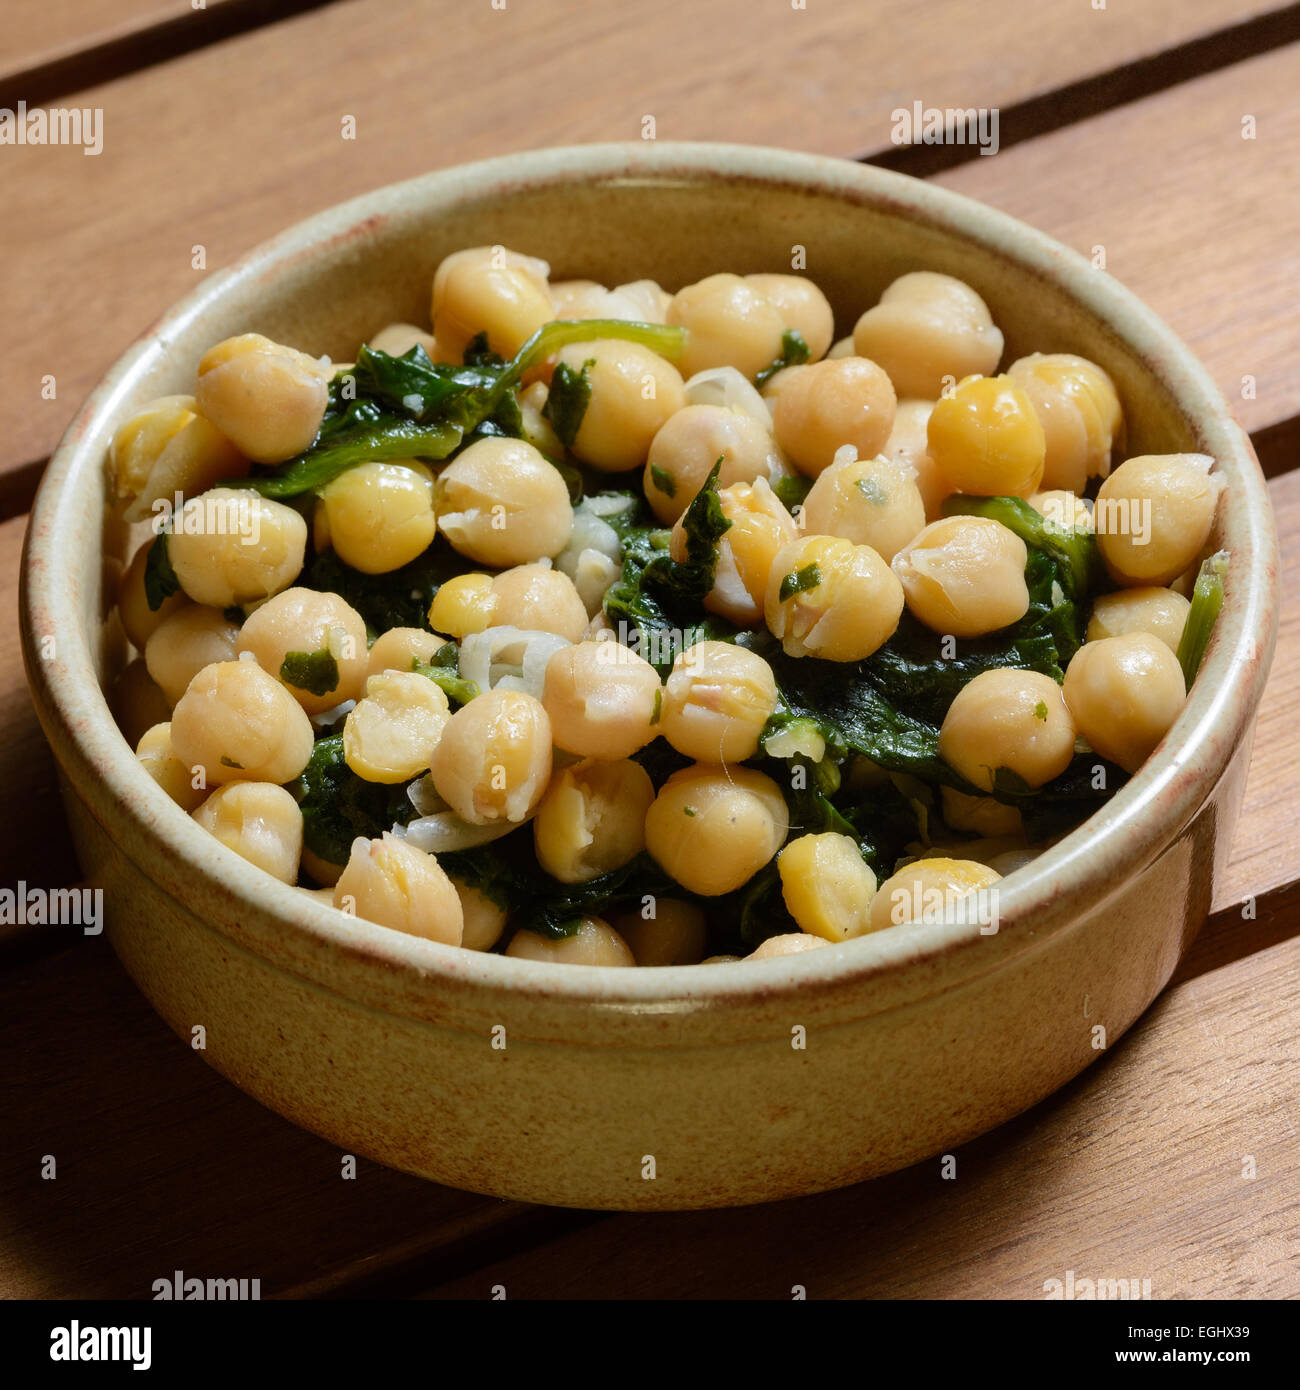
[39, 34]
[224, 146]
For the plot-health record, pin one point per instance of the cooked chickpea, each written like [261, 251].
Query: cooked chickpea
[633, 392]
[684, 451]
[827, 885]
[488, 290]
[846, 400]
[138, 703]
[1124, 693]
[380, 515]
[1153, 516]
[928, 328]
[139, 621]
[465, 604]
[980, 815]
[306, 622]
[965, 576]
[648, 298]
[197, 457]
[260, 822]
[934, 890]
[240, 725]
[675, 932]
[182, 645]
[595, 942]
[390, 733]
[501, 503]
[832, 599]
[1076, 404]
[985, 439]
[603, 699]
[1161, 612]
[713, 828]
[138, 443]
[400, 648]
[538, 599]
[587, 299]
[161, 763]
[908, 444]
[266, 398]
[231, 547]
[484, 917]
[1062, 509]
[390, 882]
[729, 324]
[592, 819]
[802, 306]
[842, 347]
[869, 501]
[1012, 719]
[397, 339]
[716, 702]
[493, 761]
[793, 943]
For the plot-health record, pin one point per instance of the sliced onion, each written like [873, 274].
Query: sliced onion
[423, 795]
[509, 658]
[728, 387]
[445, 832]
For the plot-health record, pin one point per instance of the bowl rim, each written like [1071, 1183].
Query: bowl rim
[283, 925]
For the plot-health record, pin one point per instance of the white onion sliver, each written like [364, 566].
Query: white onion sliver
[424, 796]
[726, 386]
[445, 833]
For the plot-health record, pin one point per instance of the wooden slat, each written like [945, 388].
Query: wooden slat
[229, 144]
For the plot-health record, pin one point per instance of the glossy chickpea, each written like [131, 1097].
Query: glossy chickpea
[965, 576]
[397, 339]
[846, 400]
[139, 621]
[870, 501]
[633, 393]
[684, 451]
[729, 324]
[929, 330]
[789, 944]
[390, 734]
[985, 439]
[138, 443]
[267, 399]
[592, 819]
[400, 648]
[674, 932]
[1010, 719]
[603, 699]
[649, 299]
[980, 815]
[183, 644]
[260, 821]
[594, 942]
[380, 515]
[484, 917]
[716, 701]
[137, 702]
[493, 761]
[1125, 693]
[802, 306]
[501, 503]
[390, 882]
[827, 885]
[465, 604]
[588, 299]
[1076, 403]
[488, 290]
[1061, 508]
[539, 599]
[832, 599]
[713, 828]
[230, 547]
[240, 725]
[305, 623]
[935, 890]
[908, 444]
[159, 760]
[1161, 612]
[1153, 516]
[194, 459]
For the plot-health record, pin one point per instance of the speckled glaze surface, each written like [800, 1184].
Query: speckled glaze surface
[914, 1039]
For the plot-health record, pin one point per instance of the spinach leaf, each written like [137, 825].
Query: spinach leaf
[160, 581]
[792, 490]
[794, 350]
[800, 582]
[1207, 599]
[400, 598]
[337, 805]
[315, 672]
[444, 671]
[567, 401]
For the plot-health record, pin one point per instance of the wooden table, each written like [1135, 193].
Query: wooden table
[1120, 127]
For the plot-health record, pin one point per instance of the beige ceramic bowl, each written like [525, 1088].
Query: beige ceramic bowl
[663, 1088]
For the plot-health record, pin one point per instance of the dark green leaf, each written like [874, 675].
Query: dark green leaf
[799, 582]
[160, 581]
[444, 671]
[1207, 599]
[337, 805]
[315, 672]
[794, 350]
[567, 401]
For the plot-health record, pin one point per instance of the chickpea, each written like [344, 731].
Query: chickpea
[928, 328]
[980, 815]
[1125, 693]
[729, 324]
[586, 299]
[536, 268]
[138, 703]
[380, 515]
[260, 822]
[846, 400]
[1012, 719]
[139, 621]
[827, 885]
[501, 503]
[307, 621]
[240, 725]
[716, 702]
[802, 306]
[684, 451]
[832, 599]
[400, 648]
[157, 758]
[539, 599]
[675, 933]
[908, 444]
[397, 339]
[965, 576]
[760, 526]
[182, 645]
[871, 501]
[536, 428]
[935, 890]
[1076, 403]
[138, 443]
[603, 699]
[390, 882]
[194, 459]
[488, 290]
[713, 828]
[465, 604]
[230, 547]
[793, 943]
[390, 733]
[1161, 612]
[1062, 509]
[986, 439]
[594, 943]
[484, 918]
[842, 347]
[267, 399]
[633, 392]
[1153, 516]
[493, 761]
[648, 298]
[592, 819]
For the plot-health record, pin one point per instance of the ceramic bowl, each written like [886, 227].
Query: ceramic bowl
[653, 1088]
